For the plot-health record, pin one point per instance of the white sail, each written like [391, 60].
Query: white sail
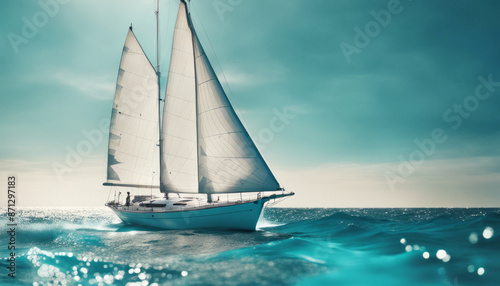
[179, 161]
[228, 159]
[133, 154]
[203, 147]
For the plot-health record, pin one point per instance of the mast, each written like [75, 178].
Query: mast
[158, 76]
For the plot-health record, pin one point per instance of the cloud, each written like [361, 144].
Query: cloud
[98, 87]
[239, 78]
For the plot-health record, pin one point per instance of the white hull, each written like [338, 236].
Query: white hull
[241, 216]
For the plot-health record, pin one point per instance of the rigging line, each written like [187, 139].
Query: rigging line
[239, 114]
[164, 36]
[157, 42]
[167, 26]
[270, 204]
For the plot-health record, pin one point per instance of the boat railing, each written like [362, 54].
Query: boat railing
[201, 205]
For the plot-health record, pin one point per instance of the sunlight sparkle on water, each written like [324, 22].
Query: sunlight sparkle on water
[441, 254]
[108, 279]
[488, 232]
[473, 238]
[80, 255]
[471, 268]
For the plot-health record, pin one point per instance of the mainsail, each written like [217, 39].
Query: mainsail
[133, 152]
[206, 149]
[179, 159]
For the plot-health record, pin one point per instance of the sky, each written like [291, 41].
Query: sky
[382, 103]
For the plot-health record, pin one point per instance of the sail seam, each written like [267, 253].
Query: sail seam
[122, 113]
[138, 75]
[177, 49]
[179, 137]
[208, 80]
[178, 97]
[219, 107]
[225, 133]
[181, 74]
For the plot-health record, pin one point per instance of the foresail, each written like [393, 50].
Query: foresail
[133, 153]
[179, 158]
[205, 148]
[228, 159]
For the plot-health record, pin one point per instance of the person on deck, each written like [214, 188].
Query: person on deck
[127, 201]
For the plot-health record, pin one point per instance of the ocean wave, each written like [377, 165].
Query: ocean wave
[292, 246]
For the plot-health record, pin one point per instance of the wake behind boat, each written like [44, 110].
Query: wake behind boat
[199, 146]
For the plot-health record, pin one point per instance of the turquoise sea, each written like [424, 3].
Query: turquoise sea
[67, 246]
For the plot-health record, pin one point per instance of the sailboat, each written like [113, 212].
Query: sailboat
[194, 152]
